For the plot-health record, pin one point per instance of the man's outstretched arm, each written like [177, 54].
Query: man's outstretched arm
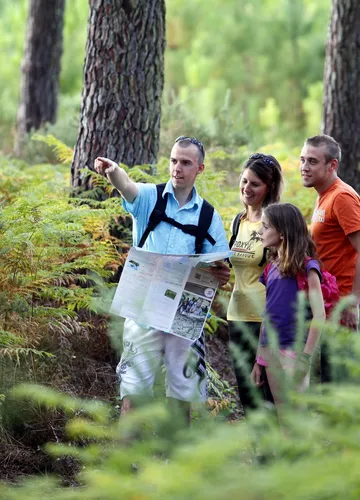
[118, 177]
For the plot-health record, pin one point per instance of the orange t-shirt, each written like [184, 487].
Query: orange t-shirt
[337, 214]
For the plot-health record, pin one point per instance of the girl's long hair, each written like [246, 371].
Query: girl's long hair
[296, 243]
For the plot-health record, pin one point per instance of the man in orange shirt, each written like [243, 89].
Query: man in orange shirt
[335, 225]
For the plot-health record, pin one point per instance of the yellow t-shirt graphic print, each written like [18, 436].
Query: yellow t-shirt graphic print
[247, 301]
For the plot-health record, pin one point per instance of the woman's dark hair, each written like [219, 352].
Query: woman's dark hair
[268, 169]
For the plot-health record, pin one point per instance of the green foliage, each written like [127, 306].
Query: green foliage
[52, 399]
[149, 454]
[11, 46]
[63, 153]
[313, 108]
[75, 33]
[221, 130]
[57, 254]
[255, 76]
[269, 54]
[14, 14]
[219, 388]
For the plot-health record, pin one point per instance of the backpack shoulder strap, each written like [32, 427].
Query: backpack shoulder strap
[157, 213]
[301, 280]
[266, 271]
[205, 218]
[235, 228]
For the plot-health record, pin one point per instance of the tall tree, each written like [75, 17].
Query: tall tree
[123, 83]
[40, 69]
[341, 117]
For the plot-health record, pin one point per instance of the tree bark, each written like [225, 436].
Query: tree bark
[341, 116]
[123, 83]
[40, 69]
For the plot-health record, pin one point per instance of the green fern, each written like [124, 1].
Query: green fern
[8, 339]
[219, 387]
[63, 153]
[15, 353]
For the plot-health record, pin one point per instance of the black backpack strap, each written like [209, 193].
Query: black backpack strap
[235, 228]
[157, 215]
[205, 218]
[200, 231]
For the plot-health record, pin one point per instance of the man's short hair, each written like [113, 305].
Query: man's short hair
[184, 141]
[332, 148]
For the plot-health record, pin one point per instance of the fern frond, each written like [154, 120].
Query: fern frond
[14, 353]
[8, 339]
[218, 386]
[63, 153]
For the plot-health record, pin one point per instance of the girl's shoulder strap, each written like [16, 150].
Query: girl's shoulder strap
[266, 271]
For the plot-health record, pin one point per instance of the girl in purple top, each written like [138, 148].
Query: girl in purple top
[292, 250]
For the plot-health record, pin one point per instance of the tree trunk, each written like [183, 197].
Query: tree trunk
[123, 83]
[341, 116]
[40, 69]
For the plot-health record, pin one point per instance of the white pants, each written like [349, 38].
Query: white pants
[144, 350]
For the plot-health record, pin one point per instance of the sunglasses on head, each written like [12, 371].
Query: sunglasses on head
[193, 140]
[266, 159]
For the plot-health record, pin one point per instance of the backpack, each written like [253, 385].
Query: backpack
[235, 229]
[200, 231]
[329, 287]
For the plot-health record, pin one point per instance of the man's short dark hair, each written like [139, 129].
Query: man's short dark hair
[332, 148]
[184, 141]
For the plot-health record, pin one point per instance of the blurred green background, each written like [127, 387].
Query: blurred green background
[256, 65]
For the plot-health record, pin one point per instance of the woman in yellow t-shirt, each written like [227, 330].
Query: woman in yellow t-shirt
[260, 184]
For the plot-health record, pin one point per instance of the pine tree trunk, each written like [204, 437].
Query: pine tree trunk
[123, 83]
[341, 118]
[40, 69]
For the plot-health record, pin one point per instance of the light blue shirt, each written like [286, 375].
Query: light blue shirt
[165, 238]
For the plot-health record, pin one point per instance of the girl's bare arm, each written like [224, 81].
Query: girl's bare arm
[318, 311]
